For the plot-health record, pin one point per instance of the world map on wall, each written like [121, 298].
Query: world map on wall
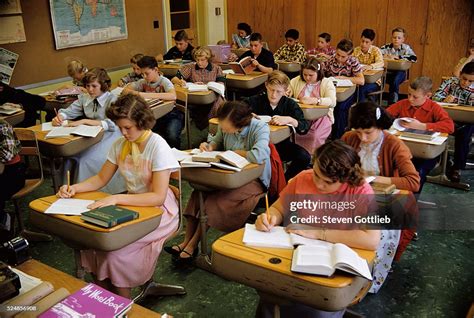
[85, 22]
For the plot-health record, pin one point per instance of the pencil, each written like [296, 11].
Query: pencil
[57, 115]
[266, 202]
[68, 180]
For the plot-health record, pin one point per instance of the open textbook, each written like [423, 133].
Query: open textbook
[243, 67]
[228, 160]
[219, 88]
[9, 109]
[343, 82]
[81, 130]
[310, 256]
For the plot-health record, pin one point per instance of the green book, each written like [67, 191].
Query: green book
[109, 216]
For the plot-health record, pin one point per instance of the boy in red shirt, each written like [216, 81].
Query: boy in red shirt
[426, 115]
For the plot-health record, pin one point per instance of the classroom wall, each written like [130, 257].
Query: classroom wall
[39, 60]
[439, 31]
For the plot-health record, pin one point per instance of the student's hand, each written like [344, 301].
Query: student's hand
[305, 230]
[264, 223]
[58, 120]
[413, 124]
[309, 100]
[205, 147]
[88, 122]
[233, 57]
[281, 120]
[121, 83]
[384, 180]
[128, 90]
[255, 63]
[449, 99]
[110, 200]
[66, 193]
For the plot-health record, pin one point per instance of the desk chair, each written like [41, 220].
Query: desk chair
[382, 87]
[29, 150]
[182, 104]
[151, 287]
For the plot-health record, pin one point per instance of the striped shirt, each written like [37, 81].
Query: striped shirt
[351, 68]
[462, 96]
[328, 50]
[372, 57]
[404, 52]
[9, 144]
[193, 73]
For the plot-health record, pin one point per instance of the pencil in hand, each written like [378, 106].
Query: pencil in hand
[68, 181]
[267, 211]
[57, 116]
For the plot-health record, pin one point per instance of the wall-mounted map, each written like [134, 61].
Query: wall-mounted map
[85, 22]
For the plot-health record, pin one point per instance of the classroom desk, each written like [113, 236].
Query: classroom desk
[288, 67]
[162, 109]
[397, 65]
[343, 93]
[424, 150]
[60, 279]
[255, 267]
[209, 179]
[313, 112]
[199, 98]
[277, 133]
[236, 83]
[372, 76]
[463, 114]
[83, 235]
[14, 119]
[58, 148]
[169, 70]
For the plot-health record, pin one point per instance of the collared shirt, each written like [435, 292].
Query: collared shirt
[211, 73]
[174, 53]
[161, 85]
[373, 56]
[328, 50]
[84, 107]
[368, 154]
[286, 107]
[462, 96]
[430, 113]
[241, 42]
[291, 54]
[131, 77]
[265, 58]
[404, 52]
[254, 139]
[9, 145]
[351, 68]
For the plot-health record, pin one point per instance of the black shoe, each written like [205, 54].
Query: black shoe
[187, 260]
[172, 251]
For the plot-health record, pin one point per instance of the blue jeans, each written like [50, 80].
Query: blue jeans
[364, 90]
[394, 79]
[424, 167]
[462, 140]
[170, 126]
[341, 117]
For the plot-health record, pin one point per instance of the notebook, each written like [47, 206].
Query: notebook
[81, 130]
[69, 206]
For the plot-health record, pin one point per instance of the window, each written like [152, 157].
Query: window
[180, 14]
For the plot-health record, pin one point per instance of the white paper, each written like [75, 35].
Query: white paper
[276, 238]
[437, 141]
[229, 71]
[369, 179]
[180, 155]
[343, 82]
[69, 206]
[397, 123]
[28, 282]
[47, 126]
[265, 118]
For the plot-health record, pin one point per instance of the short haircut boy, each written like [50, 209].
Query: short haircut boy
[256, 37]
[278, 78]
[75, 67]
[312, 63]
[201, 51]
[100, 75]
[399, 29]
[346, 46]
[244, 27]
[181, 35]
[368, 34]
[468, 69]
[147, 62]
[292, 34]
[134, 59]
[325, 36]
[423, 83]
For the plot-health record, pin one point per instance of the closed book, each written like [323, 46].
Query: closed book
[90, 301]
[109, 216]
[419, 134]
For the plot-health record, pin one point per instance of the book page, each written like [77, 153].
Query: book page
[343, 82]
[276, 238]
[233, 158]
[313, 260]
[60, 132]
[207, 156]
[225, 166]
[301, 240]
[196, 87]
[219, 88]
[348, 260]
[87, 131]
[189, 163]
[69, 206]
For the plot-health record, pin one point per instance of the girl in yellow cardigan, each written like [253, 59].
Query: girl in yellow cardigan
[312, 88]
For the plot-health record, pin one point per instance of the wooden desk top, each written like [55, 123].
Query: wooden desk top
[170, 65]
[14, 119]
[232, 246]
[464, 108]
[372, 72]
[41, 136]
[273, 128]
[340, 90]
[60, 279]
[145, 213]
[307, 106]
[247, 77]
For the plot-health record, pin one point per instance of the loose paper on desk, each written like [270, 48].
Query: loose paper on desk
[343, 82]
[49, 125]
[397, 123]
[69, 206]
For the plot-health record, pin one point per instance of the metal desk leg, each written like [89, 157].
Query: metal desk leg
[203, 260]
[442, 179]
